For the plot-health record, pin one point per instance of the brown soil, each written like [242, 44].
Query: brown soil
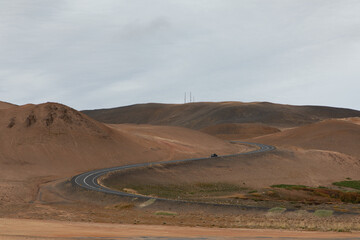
[235, 131]
[307, 167]
[204, 114]
[5, 105]
[30, 229]
[341, 136]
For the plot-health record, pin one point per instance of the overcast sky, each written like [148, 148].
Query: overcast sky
[107, 53]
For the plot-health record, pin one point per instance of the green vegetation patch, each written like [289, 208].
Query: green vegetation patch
[287, 186]
[323, 213]
[343, 196]
[349, 184]
[165, 213]
[277, 210]
[187, 191]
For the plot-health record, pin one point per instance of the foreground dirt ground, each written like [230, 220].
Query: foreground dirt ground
[45, 229]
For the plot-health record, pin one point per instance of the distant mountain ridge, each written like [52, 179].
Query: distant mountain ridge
[204, 114]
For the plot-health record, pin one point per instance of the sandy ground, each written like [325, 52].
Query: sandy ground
[25, 228]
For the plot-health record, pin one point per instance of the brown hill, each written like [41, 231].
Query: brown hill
[49, 141]
[204, 114]
[333, 135]
[234, 131]
[5, 105]
[283, 166]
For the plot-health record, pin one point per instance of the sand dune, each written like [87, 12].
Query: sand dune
[205, 114]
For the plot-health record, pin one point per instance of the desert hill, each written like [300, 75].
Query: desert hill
[235, 131]
[205, 114]
[333, 135]
[316, 154]
[5, 105]
[50, 141]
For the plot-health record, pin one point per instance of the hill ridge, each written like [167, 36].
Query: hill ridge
[204, 114]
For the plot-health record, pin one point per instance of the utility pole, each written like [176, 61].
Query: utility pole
[190, 96]
[185, 98]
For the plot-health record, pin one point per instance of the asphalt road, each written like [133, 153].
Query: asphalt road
[89, 181]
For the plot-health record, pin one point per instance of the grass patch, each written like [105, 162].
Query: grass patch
[349, 184]
[121, 206]
[277, 210]
[287, 186]
[323, 213]
[165, 213]
[343, 196]
[187, 191]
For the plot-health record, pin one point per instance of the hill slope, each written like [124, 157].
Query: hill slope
[235, 131]
[201, 115]
[333, 135]
[49, 141]
[6, 105]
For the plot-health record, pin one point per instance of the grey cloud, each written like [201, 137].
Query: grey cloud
[91, 54]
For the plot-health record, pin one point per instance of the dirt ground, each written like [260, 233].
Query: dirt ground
[46, 229]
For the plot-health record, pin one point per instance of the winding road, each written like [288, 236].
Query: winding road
[89, 180]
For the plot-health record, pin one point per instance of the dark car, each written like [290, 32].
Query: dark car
[214, 155]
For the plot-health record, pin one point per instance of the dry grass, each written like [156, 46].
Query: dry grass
[301, 220]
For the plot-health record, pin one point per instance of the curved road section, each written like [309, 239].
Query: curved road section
[89, 180]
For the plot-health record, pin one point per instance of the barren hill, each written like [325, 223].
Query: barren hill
[5, 105]
[204, 114]
[235, 131]
[50, 141]
[333, 135]
[316, 154]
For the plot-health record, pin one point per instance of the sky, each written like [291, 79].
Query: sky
[92, 54]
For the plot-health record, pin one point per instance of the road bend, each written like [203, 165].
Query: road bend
[89, 180]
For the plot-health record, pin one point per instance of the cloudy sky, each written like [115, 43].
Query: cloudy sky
[95, 54]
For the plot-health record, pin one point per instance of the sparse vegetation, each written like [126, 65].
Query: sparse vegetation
[343, 196]
[323, 213]
[277, 210]
[348, 184]
[187, 191]
[287, 186]
[121, 206]
[165, 213]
